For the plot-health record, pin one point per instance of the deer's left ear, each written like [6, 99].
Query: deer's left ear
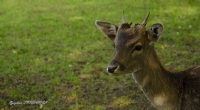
[154, 32]
[108, 29]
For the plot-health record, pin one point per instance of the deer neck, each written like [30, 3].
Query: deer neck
[156, 82]
[152, 71]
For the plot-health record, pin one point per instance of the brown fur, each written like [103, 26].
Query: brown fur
[135, 53]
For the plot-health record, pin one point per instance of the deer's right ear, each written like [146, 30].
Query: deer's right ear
[109, 30]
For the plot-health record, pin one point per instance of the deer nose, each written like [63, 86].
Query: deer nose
[111, 69]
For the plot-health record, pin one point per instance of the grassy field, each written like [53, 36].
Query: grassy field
[51, 51]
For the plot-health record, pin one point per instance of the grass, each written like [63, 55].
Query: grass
[52, 51]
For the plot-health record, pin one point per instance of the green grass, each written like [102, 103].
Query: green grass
[52, 51]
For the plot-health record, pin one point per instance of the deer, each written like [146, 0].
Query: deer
[134, 53]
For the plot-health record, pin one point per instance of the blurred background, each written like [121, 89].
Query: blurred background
[52, 51]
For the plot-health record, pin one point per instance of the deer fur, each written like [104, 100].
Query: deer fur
[135, 53]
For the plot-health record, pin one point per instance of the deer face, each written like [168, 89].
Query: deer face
[131, 44]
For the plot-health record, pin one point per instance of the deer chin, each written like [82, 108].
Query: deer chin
[118, 72]
[115, 74]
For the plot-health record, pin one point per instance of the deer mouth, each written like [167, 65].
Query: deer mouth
[117, 70]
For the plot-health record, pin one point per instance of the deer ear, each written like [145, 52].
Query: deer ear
[154, 32]
[109, 30]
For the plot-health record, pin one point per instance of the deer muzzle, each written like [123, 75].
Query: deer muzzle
[115, 67]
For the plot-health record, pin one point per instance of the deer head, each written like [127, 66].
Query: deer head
[133, 44]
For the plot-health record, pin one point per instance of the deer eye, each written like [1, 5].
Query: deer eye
[138, 47]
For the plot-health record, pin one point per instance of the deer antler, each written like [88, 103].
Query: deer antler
[145, 20]
[123, 21]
